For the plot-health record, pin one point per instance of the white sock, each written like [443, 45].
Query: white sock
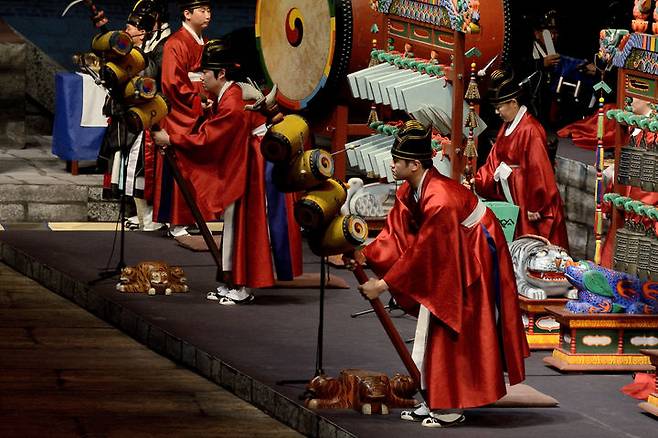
[239, 294]
[447, 415]
[179, 230]
[422, 409]
[223, 290]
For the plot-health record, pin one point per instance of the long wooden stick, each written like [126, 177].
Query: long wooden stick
[391, 331]
[189, 200]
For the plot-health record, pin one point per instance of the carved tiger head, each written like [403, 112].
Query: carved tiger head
[128, 275]
[403, 386]
[540, 264]
[158, 276]
[324, 387]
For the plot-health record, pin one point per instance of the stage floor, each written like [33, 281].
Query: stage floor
[247, 349]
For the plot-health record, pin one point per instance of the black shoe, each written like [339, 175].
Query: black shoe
[440, 421]
[411, 415]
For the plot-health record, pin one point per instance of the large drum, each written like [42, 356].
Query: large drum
[308, 46]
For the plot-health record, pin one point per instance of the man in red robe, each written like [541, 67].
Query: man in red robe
[443, 250]
[229, 178]
[518, 169]
[181, 84]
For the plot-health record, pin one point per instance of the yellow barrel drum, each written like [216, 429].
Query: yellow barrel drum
[306, 171]
[286, 139]
[321, 204]
[343, 234]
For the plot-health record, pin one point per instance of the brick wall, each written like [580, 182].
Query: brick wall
[59, 37]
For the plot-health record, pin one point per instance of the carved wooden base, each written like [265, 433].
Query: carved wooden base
[368, 392]
[603, 342]
[542, 330]
[651, 405]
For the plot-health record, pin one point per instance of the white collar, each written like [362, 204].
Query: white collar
[165, 31]
[517, 119]
[418, 192]
[223, 90]
[196, 37]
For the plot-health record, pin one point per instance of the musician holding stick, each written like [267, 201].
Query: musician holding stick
[442, 254]
[230, 180]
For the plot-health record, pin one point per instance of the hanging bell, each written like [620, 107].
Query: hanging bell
[648, 171]
[645, 244]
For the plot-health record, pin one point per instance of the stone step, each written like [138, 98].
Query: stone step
[55, 202]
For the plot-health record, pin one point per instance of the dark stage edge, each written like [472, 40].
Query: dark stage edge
[247, 349]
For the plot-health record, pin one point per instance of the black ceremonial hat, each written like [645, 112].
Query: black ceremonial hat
[145, 13]
[413, 142]
[191, 4]
[548, 20]
[217, 54]
[503, 87]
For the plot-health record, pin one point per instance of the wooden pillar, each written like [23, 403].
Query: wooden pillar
[572, 343]
[338, 141]
[620, 341]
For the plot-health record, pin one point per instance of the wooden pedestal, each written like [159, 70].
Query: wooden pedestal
[603, 341]
[542, 331]
[651, 405]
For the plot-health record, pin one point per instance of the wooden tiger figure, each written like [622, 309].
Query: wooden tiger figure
[153, 277]
[368, 392]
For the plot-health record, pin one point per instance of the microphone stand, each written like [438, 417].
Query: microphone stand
[320, 340]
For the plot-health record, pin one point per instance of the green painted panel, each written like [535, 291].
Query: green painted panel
[443, 39]
[596, 341]
[641, 86]
[398, 28]
[421, 33]
[636, 340]
[546, 324]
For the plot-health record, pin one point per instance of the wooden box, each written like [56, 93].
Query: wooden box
[542, 330]
[603, 341]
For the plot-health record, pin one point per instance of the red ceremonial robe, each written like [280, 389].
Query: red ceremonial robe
[229, 168]
[583, 133]
[532, 183]
[426, 256]
[181, 55]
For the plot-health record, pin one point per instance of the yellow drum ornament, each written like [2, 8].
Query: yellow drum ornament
[343, 234]
[113, 44]
[140, 89]
[305, 172]
[321, 204]
[286, 139]
[147, 114]
[119, 72]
